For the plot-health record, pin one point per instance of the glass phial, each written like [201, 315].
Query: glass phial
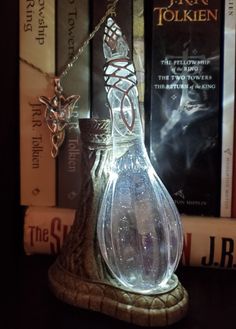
[139, 228]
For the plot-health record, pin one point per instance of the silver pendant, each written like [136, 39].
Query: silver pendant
[57, 115]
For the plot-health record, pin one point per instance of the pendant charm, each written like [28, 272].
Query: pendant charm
[57, 115]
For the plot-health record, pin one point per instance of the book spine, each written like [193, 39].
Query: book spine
[184, 80]
[208, 242]
[234, 170]
[228, 109]
[37, 46]
[72, 30]
[45, 229]
[99, 108]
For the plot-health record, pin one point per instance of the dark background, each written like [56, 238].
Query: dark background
[9, 147]
[11, 212]
[26, 302]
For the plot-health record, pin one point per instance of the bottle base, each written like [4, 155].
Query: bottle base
[155, 310]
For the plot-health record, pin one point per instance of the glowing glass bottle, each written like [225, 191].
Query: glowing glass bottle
[138, 229]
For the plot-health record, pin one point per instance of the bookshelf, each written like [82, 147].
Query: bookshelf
[26, 299]
[212, 302]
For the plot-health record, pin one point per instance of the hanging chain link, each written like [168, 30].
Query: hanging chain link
[59, 109]
[111, 11]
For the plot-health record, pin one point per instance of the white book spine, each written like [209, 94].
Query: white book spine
[45, 229]
[228, 109]
[37, 47]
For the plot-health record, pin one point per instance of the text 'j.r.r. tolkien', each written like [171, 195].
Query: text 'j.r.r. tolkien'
[180, 11]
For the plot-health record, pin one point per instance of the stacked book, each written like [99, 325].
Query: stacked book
[186, 81]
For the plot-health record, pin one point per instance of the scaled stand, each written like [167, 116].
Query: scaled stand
[79, 276]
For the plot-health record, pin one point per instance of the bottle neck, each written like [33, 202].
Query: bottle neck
[122, 96]
[121, 134]
[125, 140]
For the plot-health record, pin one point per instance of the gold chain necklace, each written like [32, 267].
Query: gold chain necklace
[59, 109]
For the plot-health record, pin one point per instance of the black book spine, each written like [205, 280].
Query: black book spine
[72, 31]
[184, 80]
